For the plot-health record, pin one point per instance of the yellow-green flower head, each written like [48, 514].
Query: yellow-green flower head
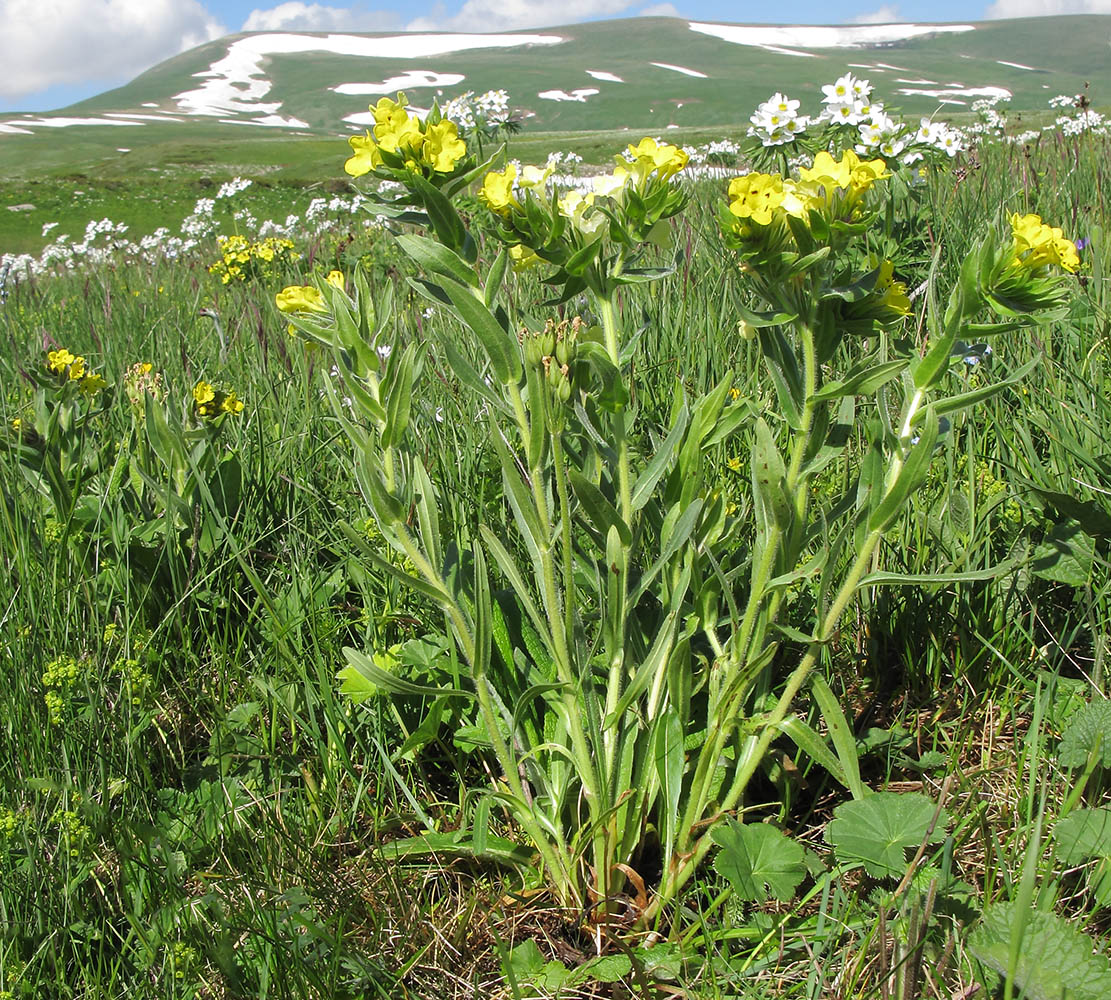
[497, 190]
[336, 280]
[893, 294]
[1037, 244]
[849, 172]
[59, 360]
[92, 383]
[400, 134]
[648, 155]
[77, 369]
[366, 158]
[576, 206]
[611, 185]
[442, 147]
[535, 178]
[523, 257]
[300, 298]
[756, 196]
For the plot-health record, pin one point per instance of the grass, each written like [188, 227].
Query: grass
[204, 813]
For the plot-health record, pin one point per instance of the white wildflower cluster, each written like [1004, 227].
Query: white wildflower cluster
[847, 103]
[469, 111]
[777, 121]
[1022, 138]
[1065, 101]
[105, 242]
[231, 188]
[991, 121]
[1084, 121]
[720, 153]
[567, 160]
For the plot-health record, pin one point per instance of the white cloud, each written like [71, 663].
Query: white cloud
[507, 15]
[297, 16]
[887, 14]
[1039, 8]
[44, 43]
[660, 10]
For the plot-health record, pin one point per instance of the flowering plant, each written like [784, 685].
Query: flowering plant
[622, 648]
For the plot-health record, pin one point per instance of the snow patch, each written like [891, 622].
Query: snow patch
[561, 95]
[66, 122]
[409, 79]
[601, 74]
[149, 118]
[1003, 62]
[815, 37]
[903, 80]
[150, 104]
[779, 50]
[966, 92]
[236, 84]
[6, 129]
[682, 69]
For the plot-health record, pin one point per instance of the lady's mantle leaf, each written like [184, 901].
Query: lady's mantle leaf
[1055, 961]
[877, 831]
[756, 857]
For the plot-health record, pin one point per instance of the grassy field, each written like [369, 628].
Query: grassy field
[191, 807]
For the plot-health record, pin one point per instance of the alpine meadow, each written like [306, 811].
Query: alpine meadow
[625, 515]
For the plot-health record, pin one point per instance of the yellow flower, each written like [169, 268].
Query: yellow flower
[366, 158]
[300, 298]
[203, 393]
[336, 280]
[442, 147]
[1037, 244]
[609, 185]
[59, 360]
[77, 369]
[497, 190]
[230, 404]
[828, 172]
[92, 384]
[389, 112]
[755, 196]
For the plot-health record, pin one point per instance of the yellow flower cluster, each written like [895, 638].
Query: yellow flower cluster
[242, 258]
[73, 367]
[757, 196]
[209, 402]
[437, 146]
[648, 157]
[1037, 244]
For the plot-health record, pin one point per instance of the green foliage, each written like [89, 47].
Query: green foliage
[758, 860]
[1085, 835]
[1088, 733]
[1052, 960]
[877, 831]
[526, 967]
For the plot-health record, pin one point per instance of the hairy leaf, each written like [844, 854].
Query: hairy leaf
[1088, 730]
[1055, 961]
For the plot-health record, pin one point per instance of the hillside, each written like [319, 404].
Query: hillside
[640, 73]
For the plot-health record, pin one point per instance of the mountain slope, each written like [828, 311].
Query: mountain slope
[643, 73]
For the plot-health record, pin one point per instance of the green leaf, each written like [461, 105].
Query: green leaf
[500, 347]
[840, 734]
[367, 676]
[1084, 834]
[1088, 732]
[668, 753]
[1055, 960]
[602, 969]
[437, 258]
[877, 831]
[445, 220]
[459, 844]
[910, 477]
[1066, 555]
[758, 860]
[860, 383]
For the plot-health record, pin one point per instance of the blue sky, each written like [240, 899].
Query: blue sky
[56, 52]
